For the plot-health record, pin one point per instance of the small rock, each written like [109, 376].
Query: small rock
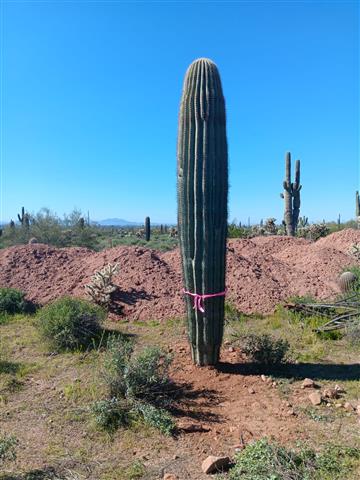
[213, 464]
[339, 389]
[308, 383]
[290, 413]
[175, 457]
[263, 378]
[170, 476]
[349, 407]
[315, 398]
[251, 391]
[274, 384]
[231, 349]
[338, 405]
[330, 393]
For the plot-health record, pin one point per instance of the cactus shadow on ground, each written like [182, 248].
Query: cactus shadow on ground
[319, 371]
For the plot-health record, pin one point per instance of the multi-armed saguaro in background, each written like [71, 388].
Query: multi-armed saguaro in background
[291, 196]
[24, 219]
[147, 228]
[202, 207]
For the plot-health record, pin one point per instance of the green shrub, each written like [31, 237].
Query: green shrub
[262, 460]
[147, 374]
[135, 471]
[70, 323]
[7, 448]
[110, 414]
[142, 376]
[137, 387]
[12, 301]
[264, 348]
[155, 417]
[352, 335]
[116, 363]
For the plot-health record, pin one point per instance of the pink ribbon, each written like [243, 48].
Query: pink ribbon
[198, 298]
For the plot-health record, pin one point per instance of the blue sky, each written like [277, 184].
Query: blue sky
[91, 92]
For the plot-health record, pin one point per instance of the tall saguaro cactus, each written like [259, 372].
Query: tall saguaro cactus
[357, 198]
[202, 173]
[291, 196]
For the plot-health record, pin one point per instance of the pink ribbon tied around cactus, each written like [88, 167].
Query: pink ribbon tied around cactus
[199, 298]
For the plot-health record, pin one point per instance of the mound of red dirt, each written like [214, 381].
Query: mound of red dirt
[261, 273]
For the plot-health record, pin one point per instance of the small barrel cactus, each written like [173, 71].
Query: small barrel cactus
[347, 282]
[202, 207]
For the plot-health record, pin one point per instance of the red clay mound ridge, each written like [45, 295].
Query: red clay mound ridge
[261, 273]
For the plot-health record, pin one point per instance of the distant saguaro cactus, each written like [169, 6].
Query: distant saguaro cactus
[357, 208]
[291, 196]
[24, 218]
[147, 228]
[202, 174]
[303, 221]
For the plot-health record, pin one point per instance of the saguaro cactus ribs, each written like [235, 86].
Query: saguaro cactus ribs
[202, 207]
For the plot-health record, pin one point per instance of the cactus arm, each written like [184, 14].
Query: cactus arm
[22, 217]
[296, 187]
[287, 195]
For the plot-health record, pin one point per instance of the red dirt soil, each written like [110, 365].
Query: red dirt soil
[261, 273]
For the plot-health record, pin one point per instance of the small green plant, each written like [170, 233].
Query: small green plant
[352, 335]
[110, 414]
[70, 323]
[12, 301]
[135, 471]
[264, 348]
[155, 417]
[263, 460]
[7, 448]
[137, 387]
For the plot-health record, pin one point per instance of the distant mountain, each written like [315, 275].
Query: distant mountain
[117, 222]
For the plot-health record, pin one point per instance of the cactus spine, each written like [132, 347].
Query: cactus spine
[291, 196]
[147, 228]
[202, 173]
